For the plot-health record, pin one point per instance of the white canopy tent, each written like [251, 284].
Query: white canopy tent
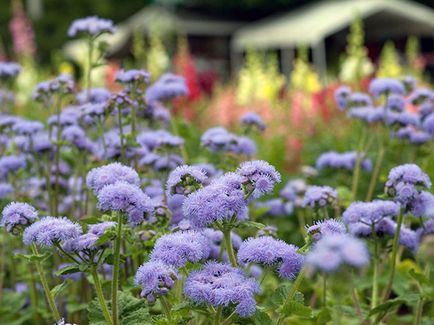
[311, 25]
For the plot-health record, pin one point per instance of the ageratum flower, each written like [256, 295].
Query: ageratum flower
[85, 242]
[426, 108]
[92, 26]
[414, 135]
[222, 285]
[161, 162]
[17, 215]
[346, 160]
[409, 83]
[319, 197]
[261, 177]
[402, 118]
[178, 248]
[423, 205]
[220, 201]
[9, 70]
[159, 139]
[368, 114]
[269, 251]
[27, 127]
[5, 190]
[95, 96]
[63, 84]
[109, 174]
[386, 86]
[217, 139]
[100, 228]
[420, 95]
[341, 96]
[395, 102]
[185, 180]
[167, 87]
[324, 228]
[404, 182]
[428, 124]
[77, 137]
[155, 278]
[50, 230]
[359, 100]
[370, 212]
[294, 190]
[252, 119]
[10, 164]
[8, 120]
[333, 251]
[126, 198]
[133, 76]
[276, 207]
[243, 146]
[69, 116]
[215, 238]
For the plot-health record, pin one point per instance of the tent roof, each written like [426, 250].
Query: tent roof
[311, 24]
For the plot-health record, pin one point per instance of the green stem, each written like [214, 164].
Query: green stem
[419, 310]
[324, 290]
[291, 293]
[375, 174]
[121, 134]
[166, 307]
[33, 296]
[394, 253]
[100, 295]
[48, 295]
[218, 315]
[229, 248]
[374, 298]
[115, 274]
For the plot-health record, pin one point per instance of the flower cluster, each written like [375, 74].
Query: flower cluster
[17, 215]
[219, 139]
[319, 197]
[92, 26]
[346, 160]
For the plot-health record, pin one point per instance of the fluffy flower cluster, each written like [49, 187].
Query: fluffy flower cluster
[251, 119]
[9, 70]
[221, 285]
[178, 248]
[269, 251]
[155, 278]
[158, 139]
[386, 86]
[222, 200]
[370, 212]
[10, 164]
[185, 180]
[133, 76]
[109, 174]
[219, 139]
[167, 87]
[50, 230]
[319, 197]
[346, 160]
[261, 177]
[126, 198]
[332, 251]
[404, 182]
[325, 228]
[92, 26]
[43, 91]
[86, 242]
[17, 215]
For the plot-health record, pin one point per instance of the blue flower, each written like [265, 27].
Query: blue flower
[386, 86]
[92, 26]
[109, 174]
[18, 215]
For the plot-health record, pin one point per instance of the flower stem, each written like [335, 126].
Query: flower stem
[48, 295]
[394, 253]
[230, 249]
[115, 275]
[375, 174]
[374, 299]
[100, 295]
[324, 290]
[166, 307]
[218, 315]
[292, 292]
[121, 134]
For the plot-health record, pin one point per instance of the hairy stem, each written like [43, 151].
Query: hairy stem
[115, 275]
[100, 295]
[230, 249]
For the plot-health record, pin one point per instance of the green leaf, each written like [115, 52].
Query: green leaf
[293, 307]
[106, 237]
[253, 224]
[419, 277]
[261, 318]
[323, 316]
[68, 270]
[386, 306]
[59, 288]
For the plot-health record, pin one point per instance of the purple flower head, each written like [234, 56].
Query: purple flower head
[8, 120]
[126, 198]
[63, 84]
[324, 228]
[99, 229]
[332, 251]
[413, 134]
[251, 119]
[69, 116]
[27, 127]
[185, 180]
[10, 164]
[346, 160]
[386, 86]
[133, 76]
[16, 216]
[428, 124]
[267, 231]
[85, 242]
[423, 205]
[409, 83]
[242, 146]
[261, 177]
[404, 182]
[178, 248]
[167, 87]
[217, 139]
[155, 278]
[395, 103]
[161, 114]
[77, 137]
[91, 111]
[5, 190]
[222, 285]
[319, 196]
[95, 96]
[9, 70]
[277, 207]
[294, 190]
[359, 100]
[269, 251]
[109, 174]
[426, 108]
[159, 139]
[370, 212]
[215, 238]
[368, 114]
[92, 26]
[341, 96]
[410, 239]
[419, 95]
[222, 200]
[402, 118]
[50, 230]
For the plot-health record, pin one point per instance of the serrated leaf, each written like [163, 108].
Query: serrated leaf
[68, 270]
[106, 237]
[59, 288]
[323, 316]
[261, 318]
[295, 308]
